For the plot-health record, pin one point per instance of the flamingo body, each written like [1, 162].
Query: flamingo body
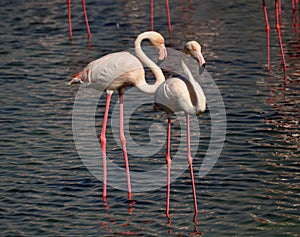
[177, 94]
[181, 94]
[118, 70]
[115, 71]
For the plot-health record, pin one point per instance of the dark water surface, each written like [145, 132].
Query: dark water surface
[253, 190]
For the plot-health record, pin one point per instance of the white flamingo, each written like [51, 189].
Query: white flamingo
[180, 94]
[114, 72]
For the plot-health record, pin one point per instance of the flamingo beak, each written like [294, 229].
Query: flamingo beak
[162, 54]
[200, 59]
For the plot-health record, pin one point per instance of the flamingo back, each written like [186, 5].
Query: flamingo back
[112, 72]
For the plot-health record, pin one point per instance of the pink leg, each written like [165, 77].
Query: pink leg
[169, 16]
[86, 19]
[123, 143]
[279, 34]
[295, 16]
[168, 161]
[190, 161]
[152, 14]
[267, 32]
[103, 144]
[294, 5]
[69, 19]
[279, 8]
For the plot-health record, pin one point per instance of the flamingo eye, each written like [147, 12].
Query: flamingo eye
[160, 41]
[196, 47]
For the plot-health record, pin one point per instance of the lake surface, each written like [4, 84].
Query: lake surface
[46, 190]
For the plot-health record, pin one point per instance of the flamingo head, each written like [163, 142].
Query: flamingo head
[76, 79]
[193, 48]
[158, 41]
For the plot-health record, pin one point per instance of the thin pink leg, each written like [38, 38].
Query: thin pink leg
[279, 34]
[168, 162]
[152, 14]
[69, 19]
[295, 16]
[280, 8]
[267, 32]
[190, 161]
[169, 16]
[86, 19]
[123, 143]
[293, 5]
[103, 143]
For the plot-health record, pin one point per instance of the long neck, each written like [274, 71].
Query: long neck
[200, 97]
[159, 76]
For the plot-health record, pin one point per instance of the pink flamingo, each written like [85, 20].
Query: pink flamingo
[85, 18]
[152, 15]
[177, 94]
[115, 71]
[278, 12]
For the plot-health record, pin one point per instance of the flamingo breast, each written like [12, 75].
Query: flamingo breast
[174, 95]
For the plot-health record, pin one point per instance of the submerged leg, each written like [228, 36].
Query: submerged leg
[86, 19]
[103, 143]
[267, 32]
[169, 16]
[69, 19]
[190, 161]
[123, 143]
[168, 162]
[295, 16]
[279, 34]
[152, 14]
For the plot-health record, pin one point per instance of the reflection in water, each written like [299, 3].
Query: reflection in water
[46, 190]
[280, 148]
[285, 100]
[114, 226]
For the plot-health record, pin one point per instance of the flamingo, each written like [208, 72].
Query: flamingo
[115, 71]
[180, 94]
[193, 48]
[85, 18]
[152, 15]
[277, 10]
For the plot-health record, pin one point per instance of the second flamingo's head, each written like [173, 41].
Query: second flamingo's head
[193, 48]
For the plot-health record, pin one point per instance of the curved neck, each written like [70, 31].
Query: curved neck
[159, 76]
[200, 96]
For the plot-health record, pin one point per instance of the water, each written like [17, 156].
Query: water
[253, 190]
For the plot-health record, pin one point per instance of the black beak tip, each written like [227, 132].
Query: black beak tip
[201, 69]
[159, 62]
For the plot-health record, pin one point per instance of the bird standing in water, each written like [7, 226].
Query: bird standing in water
[182, 94]
[116, 71]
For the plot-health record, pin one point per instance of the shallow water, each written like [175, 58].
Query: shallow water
[252, 190]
